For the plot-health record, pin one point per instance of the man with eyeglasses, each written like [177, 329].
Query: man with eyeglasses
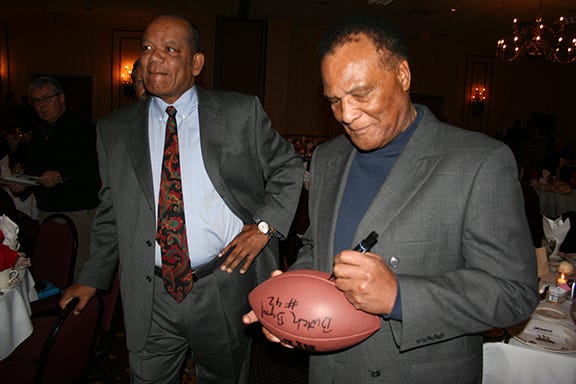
[62, 153]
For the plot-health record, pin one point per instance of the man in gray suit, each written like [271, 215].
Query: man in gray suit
[240, 183]
[453, 256]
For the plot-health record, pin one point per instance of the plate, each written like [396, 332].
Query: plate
[548, 336]
[551, 313]
[14, 283]
[570, 257]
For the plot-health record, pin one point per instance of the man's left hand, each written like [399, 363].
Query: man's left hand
[50, 179]
[244, 248]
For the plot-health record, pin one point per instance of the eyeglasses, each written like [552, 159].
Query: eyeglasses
[44, 99]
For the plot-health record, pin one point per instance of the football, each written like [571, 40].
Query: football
[306, 310]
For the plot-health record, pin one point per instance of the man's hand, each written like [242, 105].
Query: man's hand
[366, 281]
[82, 292]
[15, 188]
[245, 247]
[50, 179]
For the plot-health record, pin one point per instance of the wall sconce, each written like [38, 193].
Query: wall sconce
[479, 97]
[126, 81]
[126, 75]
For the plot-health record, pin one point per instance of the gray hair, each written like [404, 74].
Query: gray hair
[42, 81]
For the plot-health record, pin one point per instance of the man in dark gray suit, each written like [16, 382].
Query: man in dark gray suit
[453, 257]
[240, 184]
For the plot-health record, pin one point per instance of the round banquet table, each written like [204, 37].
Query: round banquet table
[15, 323]
[553, 204]
[515, 362]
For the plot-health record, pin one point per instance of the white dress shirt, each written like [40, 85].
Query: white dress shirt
[210, 224]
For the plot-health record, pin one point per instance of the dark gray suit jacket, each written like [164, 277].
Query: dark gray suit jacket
[256, 172]
[452, 227]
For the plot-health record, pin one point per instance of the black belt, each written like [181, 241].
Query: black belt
[200, 271]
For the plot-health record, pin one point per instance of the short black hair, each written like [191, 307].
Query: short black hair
[384, 33]
[194, 31]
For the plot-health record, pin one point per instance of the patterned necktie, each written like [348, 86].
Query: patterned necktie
[171, 232]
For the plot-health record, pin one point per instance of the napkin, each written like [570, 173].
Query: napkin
[556, 229]
[9, 230]
[8, 257]
[542, 260]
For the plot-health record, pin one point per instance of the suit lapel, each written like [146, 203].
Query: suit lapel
[137, 146]
[409, 174]
[212, 131]
[330, 196]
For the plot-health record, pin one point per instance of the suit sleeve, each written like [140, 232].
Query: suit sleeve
[497, 284]
[283, 173]
[99, 269]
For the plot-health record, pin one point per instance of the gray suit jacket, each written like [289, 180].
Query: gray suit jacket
[451, 224]
[256, 172]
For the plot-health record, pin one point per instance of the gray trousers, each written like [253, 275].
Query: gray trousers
[202, 323]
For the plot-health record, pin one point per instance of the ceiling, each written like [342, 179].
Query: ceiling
[424, 19]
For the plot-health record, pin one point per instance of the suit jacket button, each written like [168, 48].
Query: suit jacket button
[148, 243]
[393, 262]
[375, 373]
[148, 279]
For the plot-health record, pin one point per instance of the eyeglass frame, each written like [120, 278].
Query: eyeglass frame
[44, 99]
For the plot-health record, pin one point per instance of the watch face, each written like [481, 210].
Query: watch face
[263, 227]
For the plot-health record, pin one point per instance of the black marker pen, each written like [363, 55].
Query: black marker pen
[363, 246]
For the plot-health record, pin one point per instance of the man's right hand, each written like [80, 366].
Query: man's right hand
[83, 292]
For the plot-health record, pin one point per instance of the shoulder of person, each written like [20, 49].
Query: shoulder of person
[447, 135]
[136, 109]
[226, 97]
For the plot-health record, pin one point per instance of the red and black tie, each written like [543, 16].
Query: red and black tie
[171, 232]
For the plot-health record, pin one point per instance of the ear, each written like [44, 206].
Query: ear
[403, 74]
[197, 63]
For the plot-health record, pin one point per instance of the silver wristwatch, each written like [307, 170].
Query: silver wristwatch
[266, 229]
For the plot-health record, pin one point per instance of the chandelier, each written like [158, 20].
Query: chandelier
[539, 40]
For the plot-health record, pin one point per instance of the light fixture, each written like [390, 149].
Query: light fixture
[478, 94]
[478, 97]
[126, 75]
[539, 40]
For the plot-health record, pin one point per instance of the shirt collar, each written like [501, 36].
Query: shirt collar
[186, 104]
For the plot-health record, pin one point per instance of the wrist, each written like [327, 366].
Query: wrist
[266, 229]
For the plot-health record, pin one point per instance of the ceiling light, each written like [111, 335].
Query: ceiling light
[538, 39]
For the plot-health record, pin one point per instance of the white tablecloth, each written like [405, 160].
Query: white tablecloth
[516, 362]
[15, 323]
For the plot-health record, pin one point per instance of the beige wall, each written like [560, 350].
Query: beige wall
[74, 45]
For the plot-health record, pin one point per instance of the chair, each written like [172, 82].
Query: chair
[533, 214]
[58, 350]
[111, 314]
[53, 261]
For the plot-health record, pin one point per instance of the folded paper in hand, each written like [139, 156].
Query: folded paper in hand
[9, 231]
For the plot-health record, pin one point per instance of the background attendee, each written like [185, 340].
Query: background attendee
[236, 182]
[62, 153]
[454, 256]
[138, 81]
